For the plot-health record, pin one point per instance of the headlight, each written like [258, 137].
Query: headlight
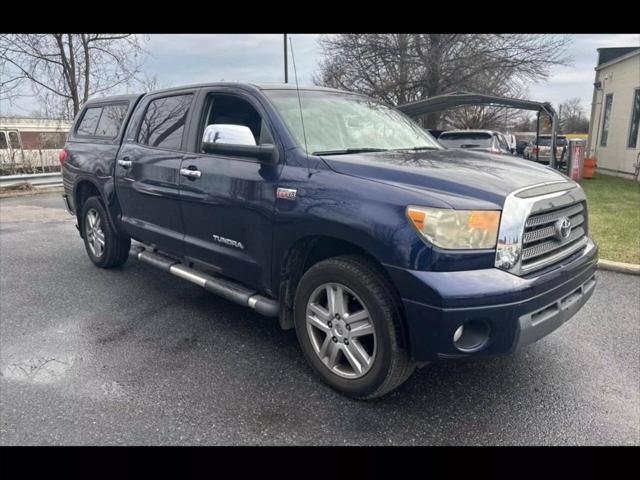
[456, 229]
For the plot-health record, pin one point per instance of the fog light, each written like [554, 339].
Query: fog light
[472, 336]
[458, 333]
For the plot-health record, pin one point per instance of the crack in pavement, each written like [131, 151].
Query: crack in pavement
[39, 369]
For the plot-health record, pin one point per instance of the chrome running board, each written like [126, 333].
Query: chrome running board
[227, 289]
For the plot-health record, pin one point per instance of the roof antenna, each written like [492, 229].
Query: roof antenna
[304, 133]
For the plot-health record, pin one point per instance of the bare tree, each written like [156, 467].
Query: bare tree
[400, 68]
[149, 83]
[524, 122]
[572, 118]
[486, 117]
[65, 69]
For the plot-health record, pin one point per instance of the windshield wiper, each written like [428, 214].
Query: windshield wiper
[349, 150]
[415, 149]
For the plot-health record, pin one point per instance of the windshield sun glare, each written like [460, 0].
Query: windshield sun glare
[337, 123]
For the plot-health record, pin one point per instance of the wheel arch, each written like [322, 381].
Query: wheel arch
[311, 249]
[86, 188]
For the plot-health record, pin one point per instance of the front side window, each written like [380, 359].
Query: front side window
[232, 110]
[164, 121]
[606, 120]
[337, 123]
[3, 141]
[89, 121]
[635, 120]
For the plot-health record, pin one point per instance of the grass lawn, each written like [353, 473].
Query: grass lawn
[614, 216]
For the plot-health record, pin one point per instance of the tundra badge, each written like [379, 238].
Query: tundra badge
[228, 241]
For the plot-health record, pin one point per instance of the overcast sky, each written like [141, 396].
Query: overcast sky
[194, 58]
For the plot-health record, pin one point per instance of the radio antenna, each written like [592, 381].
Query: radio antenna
[304, 132]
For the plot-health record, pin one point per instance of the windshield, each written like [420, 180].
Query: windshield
[337, 123]
[465, 139]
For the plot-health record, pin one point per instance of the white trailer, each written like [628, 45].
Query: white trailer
[31, 145]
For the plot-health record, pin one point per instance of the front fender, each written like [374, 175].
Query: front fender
[366, 213]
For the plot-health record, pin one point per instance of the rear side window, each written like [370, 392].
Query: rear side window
[164, 121]
[104, 121]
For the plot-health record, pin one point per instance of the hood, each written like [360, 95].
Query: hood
[460, 178]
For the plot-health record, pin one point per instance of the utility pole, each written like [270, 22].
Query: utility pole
[560, 116]
[286, 70]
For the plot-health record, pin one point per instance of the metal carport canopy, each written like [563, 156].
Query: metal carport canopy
[459, 99]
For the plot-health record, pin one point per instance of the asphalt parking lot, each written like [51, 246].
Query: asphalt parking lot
[136, 356]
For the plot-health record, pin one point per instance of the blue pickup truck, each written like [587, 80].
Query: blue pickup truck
[336, 214]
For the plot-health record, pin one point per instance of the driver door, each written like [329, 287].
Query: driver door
[228, 207]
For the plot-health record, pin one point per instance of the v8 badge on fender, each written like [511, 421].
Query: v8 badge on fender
[286, 193]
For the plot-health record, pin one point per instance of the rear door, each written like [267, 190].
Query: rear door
[92, 145]
[228, 211]
[148, 166]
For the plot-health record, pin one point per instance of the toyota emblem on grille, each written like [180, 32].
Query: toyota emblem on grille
[563, 228]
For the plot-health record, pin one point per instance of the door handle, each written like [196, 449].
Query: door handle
[124, 163]
[190, 173]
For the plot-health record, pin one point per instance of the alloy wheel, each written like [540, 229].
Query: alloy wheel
[95, 234]
[341, 330]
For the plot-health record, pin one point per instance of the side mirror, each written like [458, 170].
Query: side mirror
[228, 134]
[237, 141]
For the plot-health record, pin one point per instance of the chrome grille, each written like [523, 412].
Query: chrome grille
[541, 245]
[549, 231]
[541, 219]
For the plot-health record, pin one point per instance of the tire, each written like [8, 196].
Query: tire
[364, 286]
[115, 249]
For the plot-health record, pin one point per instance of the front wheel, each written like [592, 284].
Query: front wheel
[349, 326]
[105, 247]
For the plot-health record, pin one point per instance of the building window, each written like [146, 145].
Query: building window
[635, 120]
[607, 117]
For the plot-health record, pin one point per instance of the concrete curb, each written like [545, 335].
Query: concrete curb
[628, 268]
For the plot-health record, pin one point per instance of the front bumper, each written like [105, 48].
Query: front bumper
[517, 310]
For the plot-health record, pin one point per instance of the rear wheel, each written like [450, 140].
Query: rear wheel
[105, 247]
[349, 327]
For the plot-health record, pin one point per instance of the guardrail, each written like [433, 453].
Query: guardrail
[35, 179]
